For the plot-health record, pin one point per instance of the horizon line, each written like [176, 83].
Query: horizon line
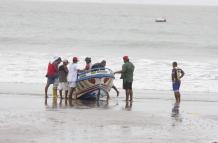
[122, 2]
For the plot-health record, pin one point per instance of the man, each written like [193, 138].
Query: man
[52, 75]
[63, 85]
[72, 76]
[177, 74]
[88, 64]
[102, 64]
[127, 76]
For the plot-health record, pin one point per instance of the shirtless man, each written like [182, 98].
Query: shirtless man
[177, 74]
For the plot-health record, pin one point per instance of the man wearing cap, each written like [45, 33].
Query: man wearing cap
[72, 76]
[127, 76]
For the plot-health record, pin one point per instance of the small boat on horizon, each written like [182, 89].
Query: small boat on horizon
[160, 19]
[94, 84]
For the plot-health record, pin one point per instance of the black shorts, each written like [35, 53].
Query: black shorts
[127, 85]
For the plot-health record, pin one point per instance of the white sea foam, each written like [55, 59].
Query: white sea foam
[30, 67]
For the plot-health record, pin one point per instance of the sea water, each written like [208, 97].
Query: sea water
[31, 33]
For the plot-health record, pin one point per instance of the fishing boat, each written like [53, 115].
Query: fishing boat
[160, 19]
[94, 84]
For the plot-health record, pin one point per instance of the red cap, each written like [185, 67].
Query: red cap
[75, 59]
[125, 58]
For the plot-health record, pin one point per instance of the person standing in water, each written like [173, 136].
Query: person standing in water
[177, 74]
[52, 75]
[63, 84]
[72, 76]
[127, 76]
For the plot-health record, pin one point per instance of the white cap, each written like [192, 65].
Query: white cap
[65, 61]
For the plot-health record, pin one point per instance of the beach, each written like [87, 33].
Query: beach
[33, 32]
[28, 118]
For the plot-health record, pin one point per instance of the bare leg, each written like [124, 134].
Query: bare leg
[114, 87]
[131, 94]
[127, 94]
[46, 103]
[177, 96]
[60, 92]
[71, 92]
[108, 97]
[46, 90]
[66, 93]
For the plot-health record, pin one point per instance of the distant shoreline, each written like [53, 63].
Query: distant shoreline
[118, 3]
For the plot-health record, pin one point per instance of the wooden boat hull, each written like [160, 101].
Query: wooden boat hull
[94, 84]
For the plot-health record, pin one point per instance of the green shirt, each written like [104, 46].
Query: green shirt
[127, 72]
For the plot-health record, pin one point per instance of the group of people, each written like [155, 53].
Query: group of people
[64, 77]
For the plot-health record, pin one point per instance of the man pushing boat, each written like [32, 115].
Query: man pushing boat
[127, 76]
[72, 76]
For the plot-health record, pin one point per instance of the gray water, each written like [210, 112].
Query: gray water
[32, 32]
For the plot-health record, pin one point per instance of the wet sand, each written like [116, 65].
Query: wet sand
[27, 118]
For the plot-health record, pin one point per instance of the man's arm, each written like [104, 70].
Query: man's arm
[182, 73]
[122, 71]
[118, 72]
[66, 69]
[173, 75]
[78, 70]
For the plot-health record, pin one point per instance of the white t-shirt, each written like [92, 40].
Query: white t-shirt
[72, 74]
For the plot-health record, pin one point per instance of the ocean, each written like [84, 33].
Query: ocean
[31, 33]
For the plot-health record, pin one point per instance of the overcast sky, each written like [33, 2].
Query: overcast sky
[177, 2]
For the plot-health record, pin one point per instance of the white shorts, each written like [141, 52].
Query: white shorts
[72, 84]
[63, 86]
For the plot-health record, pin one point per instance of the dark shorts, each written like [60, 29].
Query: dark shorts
[127, 85]
[176, 86]
[51, 80]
